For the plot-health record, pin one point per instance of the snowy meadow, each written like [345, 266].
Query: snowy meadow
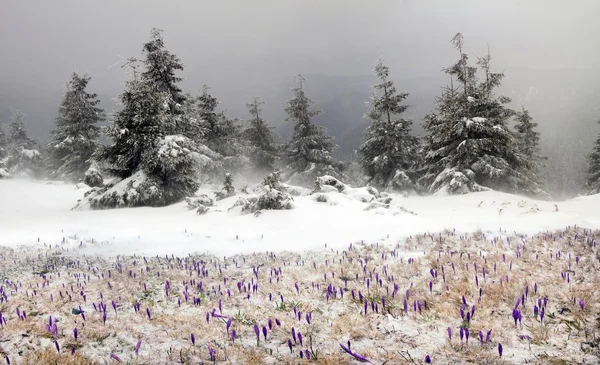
[485, 278]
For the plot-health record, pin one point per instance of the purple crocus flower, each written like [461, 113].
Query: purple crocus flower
[233, 336]
[57, 346]
[115, 357]
[137, 347]
[516, 316]
[427, 359]
[582, 304]
[264, 331]
[300, 338]
[228, 324]
[500, 349]
[148, 313]
[257, 333]
[356, 356]
[449, 334]
[193, 338]
[290, 345]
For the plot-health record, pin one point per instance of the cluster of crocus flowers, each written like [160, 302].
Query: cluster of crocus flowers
[214, 289]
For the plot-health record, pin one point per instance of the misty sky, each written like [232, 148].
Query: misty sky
[249, 43]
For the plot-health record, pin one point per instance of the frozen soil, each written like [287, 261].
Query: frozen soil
[439, 275]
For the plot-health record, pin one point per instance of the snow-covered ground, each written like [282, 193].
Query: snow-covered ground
[35, 209]
[394, 298]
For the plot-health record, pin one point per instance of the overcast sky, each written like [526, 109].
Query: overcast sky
[251, 42]
[45, 40]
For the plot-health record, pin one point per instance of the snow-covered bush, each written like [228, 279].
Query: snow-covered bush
[329, 184]
[199, 203]
[227, 190]
[453, 181]
[323, 182]
[4, 174]
[195, 201]
[296, 190]
[272, 196]
[201, 209]
[273, 199]
[403, 183]
[93, 177]
[321, 198]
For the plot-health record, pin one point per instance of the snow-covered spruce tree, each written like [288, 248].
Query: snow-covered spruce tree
[75, 138]
[22, 157]
[156, 168]
[388, 155]
[308, 153]
[161, 66]
[529, 138]
[3, 153]
[593, 183]
[469, 146]
[221, 134]
[227, 190]
[261, 139]
[156, 162]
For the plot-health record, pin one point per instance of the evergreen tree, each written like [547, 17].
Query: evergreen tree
[3, 153]
[3, 144]
[529, 141]
[161, 66]
[593, 183]
[260, 137]
[308, 154]
[221, 134]
[21, 156]
[209, 118]
[75, 138]
[158, 164]
[469, 146]
[18, 137]
[388, 154]
[228, 189]
[135, 128]
[529, 138]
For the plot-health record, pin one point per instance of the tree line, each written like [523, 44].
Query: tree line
[163, 142]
